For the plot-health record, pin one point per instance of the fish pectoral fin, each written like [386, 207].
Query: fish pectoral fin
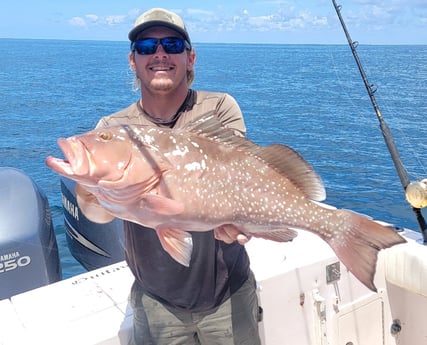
[161, 205]
[90, 207]
[279, 235]
[177, 243]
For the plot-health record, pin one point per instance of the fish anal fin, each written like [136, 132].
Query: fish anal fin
[161, 205]
[279, 235]
[177, 243]
[360, 243]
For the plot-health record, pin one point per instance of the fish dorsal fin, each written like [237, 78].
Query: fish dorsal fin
[290, 163]
[209, 126]
[281, 158]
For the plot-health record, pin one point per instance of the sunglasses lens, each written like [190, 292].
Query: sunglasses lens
[148, 46]
[173, 45]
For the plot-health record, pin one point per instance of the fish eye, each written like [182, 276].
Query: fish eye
[105, 136]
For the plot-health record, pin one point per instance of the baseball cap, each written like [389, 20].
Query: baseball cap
[159, 17]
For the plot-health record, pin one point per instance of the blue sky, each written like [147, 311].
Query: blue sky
[245, 21]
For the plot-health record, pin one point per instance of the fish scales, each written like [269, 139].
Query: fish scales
[242, 188]
[203, 176]
[237, 184]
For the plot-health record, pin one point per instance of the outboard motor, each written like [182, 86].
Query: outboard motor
[93, 245]
[28, 249]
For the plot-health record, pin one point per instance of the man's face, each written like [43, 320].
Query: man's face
[161, 72]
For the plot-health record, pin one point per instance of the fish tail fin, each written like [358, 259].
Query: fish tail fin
[359, 244]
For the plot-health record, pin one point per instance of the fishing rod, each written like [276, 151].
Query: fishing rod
[416, 192]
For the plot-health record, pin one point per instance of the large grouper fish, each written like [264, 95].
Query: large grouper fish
[204, 176]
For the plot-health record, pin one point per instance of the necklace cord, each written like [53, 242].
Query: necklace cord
[186, 105]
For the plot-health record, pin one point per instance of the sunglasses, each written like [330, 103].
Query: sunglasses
[171, 45]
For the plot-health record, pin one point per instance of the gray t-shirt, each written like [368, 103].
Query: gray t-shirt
[216, 269]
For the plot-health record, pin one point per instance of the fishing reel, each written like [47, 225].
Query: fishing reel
[416, 193]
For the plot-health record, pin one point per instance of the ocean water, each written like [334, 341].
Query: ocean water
[310, 97]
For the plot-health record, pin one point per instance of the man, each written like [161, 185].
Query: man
[213, 301]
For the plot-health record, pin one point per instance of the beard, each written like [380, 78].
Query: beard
[161, 84]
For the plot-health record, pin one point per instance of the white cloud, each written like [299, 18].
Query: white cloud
[92, 17]
[383, 14]
[109, 20]
[197, 12]
[279, 16]
[280, 21]
[114, 20]
[77, 21]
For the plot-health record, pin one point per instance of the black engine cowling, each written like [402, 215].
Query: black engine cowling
[93, 245]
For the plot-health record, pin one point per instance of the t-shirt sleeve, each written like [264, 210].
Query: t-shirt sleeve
[129, 115]
[230, 114]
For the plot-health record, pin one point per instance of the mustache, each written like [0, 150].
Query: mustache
[161, 63]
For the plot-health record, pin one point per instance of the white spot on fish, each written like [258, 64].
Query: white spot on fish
[149, 139]
[136, 130]
[180, 151]
[193, 166]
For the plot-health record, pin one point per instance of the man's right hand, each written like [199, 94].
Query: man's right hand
[230, 233]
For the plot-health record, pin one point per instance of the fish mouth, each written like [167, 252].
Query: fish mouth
[75, 162]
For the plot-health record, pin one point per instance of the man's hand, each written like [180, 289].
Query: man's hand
[229, 233]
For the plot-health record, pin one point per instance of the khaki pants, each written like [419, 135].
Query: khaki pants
[235, 322]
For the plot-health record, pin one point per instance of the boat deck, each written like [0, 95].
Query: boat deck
[306, 295]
